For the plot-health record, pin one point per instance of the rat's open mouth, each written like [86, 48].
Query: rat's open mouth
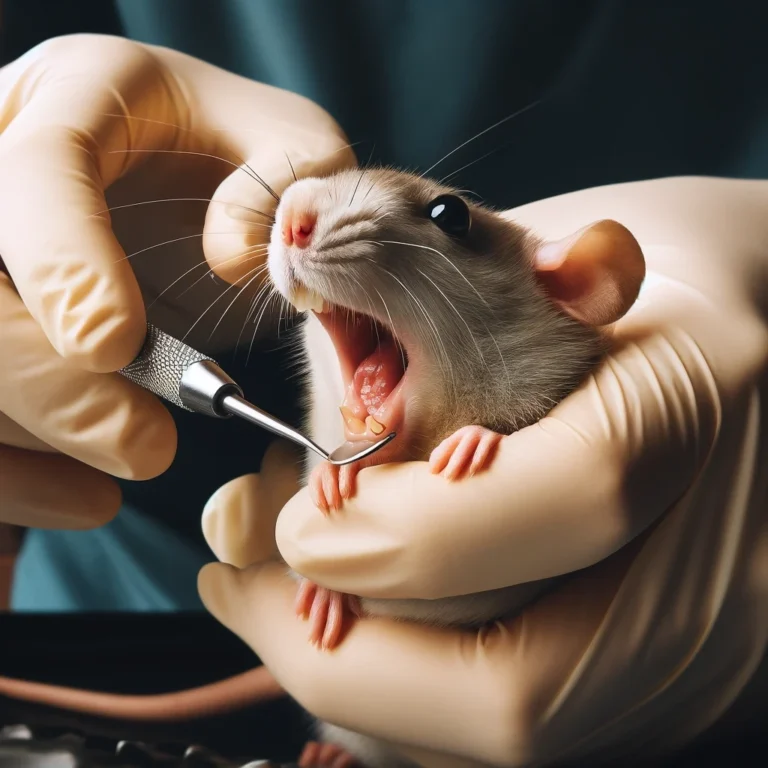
[373, 368]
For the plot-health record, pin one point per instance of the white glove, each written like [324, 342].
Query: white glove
[666, 447]
[77, 115]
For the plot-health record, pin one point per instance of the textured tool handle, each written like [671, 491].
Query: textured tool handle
[161, 364]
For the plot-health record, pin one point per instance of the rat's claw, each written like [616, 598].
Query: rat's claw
[305, 596]
[471, 446]
[330, 480]
[484, 451]
[347, 476]
[324, 487]
[327, 613]
[335, 621]
[316, 490]
[318, 615]
[439, 458]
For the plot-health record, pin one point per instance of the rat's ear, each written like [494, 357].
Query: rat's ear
[594, 275]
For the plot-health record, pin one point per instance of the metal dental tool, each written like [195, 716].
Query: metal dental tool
[179, 374]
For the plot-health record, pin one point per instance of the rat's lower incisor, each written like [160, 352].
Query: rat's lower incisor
[426, 317]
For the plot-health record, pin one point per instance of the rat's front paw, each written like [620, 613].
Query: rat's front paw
[327, 612]
[469, 449]
[317, 755]
[324, 487]
[330, 485]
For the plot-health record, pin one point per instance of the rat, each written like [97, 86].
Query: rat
[424, 315]
[443, 332]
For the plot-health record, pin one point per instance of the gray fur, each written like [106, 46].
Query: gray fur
[491, 348]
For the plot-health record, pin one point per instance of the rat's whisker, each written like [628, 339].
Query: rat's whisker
[470, 192]
[259, 270]
[482, 133]
[391, 323]
[244, 167]
[123, 116]
[209, 271]
[255, 301]
[354, 191]
[258, 250]
[445, 179]
[177, 280]
[258, 130]
[373, 184]
[256, 325]
[290, 164]
[459, 315]
[362, 173]
[188, 200]
[243, 164]
[441, 351]
[449, 262]
[279, 317]
[263, 291]
[217, 300]
[174, 240]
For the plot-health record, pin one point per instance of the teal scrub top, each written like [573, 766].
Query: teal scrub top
[627, 90]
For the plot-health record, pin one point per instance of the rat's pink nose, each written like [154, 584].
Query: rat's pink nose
[298, 227]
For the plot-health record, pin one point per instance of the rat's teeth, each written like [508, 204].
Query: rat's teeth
[305, 299]
[354, 425]
[374, 425]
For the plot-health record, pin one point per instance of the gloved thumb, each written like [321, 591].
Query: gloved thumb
[245, 202]
[243, 600]
[239, 519]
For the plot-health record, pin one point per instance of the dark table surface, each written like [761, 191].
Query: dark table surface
[158, 653]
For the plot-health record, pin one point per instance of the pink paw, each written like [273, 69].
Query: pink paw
[470, 448]
[317, 755]
[330, 485]
[327, 612]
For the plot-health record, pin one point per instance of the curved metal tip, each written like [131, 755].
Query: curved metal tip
[350, 452]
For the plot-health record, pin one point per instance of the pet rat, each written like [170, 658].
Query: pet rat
[443, 333]
[425, 316]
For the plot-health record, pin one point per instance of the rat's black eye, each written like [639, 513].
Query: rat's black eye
[451, 214]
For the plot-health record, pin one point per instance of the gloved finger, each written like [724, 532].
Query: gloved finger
[270, 135]
[100, 419]
[239, 519]
[14, 435]
[56, 158]
[559, 496]
[481, 695]
[48, 490]
[252, 192]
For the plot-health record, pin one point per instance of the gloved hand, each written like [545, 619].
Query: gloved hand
[78, 115]
[651, 478]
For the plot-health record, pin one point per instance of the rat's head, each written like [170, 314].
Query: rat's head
[432, 304]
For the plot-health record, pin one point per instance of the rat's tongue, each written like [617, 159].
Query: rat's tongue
[374, 379]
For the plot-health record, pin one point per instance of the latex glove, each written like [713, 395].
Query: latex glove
[636, 653]
[77, 115]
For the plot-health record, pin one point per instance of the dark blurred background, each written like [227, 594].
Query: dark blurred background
[631, 88]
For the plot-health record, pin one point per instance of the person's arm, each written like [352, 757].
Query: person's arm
[649, 645]
[77, 114]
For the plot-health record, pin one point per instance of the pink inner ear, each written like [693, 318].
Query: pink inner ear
[599, 277]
